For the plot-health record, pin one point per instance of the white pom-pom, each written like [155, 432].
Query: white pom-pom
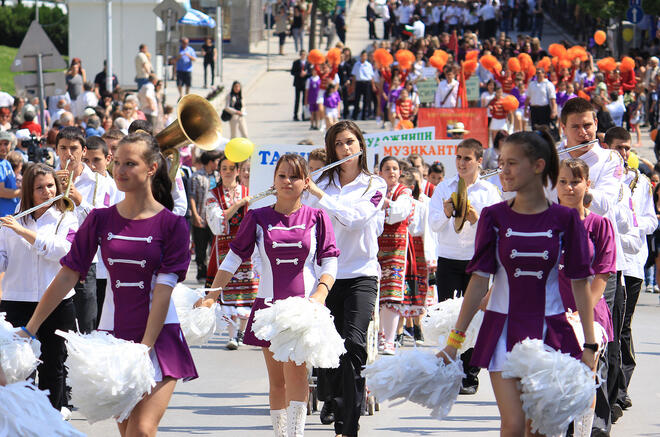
[419, 377]
[556, 388]
[300, 330]
[26, 411]
[198, 324]
[441, 318]
[19, 356]
[108, 376]
[599, 332]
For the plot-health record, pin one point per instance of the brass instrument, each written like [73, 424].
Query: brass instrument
[461, 205]
[197, 123]
[496, 171]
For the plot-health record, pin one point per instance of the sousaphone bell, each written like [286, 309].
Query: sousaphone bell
[197, 123]
[461, 205]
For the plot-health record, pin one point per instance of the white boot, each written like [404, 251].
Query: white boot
[296, 414]
[278, 419]
[582, 424]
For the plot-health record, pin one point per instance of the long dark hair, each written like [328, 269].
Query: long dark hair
[161, 185]
[236, 99]
[221, 158]
[27, 189]
[331, 152]
[539, 145]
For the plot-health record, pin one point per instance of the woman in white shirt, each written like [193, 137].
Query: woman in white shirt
[353, 198]
[30, 251]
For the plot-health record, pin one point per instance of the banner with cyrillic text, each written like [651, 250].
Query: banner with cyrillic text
[374, 141]
[262, 168]
[475, 120]
[443, 151]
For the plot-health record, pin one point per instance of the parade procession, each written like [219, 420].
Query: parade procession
[452, 234]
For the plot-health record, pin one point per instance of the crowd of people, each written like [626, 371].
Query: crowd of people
[568, 225]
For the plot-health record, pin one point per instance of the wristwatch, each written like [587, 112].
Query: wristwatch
[592, 346]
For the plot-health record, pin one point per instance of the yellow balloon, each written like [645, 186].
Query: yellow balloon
[633, 160]
[239, 149]
[628, 35]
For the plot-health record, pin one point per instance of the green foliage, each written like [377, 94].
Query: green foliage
[614, 8]
[327, 6]
[7, 55]
[15, 20]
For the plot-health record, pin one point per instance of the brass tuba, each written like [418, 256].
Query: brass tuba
[197, 123]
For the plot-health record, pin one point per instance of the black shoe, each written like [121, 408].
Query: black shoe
[295, 118]
[617, 412]
[417, 333]
[597, 432]
[408, 331]
[327, 414]
[625, 403]
[398, 340]
[471, 390]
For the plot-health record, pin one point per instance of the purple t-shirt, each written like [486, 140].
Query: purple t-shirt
[331, 100]
[602, 249]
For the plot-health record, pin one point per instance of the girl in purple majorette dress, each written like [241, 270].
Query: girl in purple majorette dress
[572, 191]
[145, 248]
[292, 239]
[520, 242]
[314, 99]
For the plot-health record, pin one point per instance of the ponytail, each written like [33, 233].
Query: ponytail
[161, 185]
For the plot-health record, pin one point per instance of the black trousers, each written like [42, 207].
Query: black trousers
[633, 287]
[387, 28]
[607, 393]
[299, 100]
[100, 297]
[351, 303]
[53, 352]
[372, 29]
[202, 237]
[539, 116]
[85, 302]
[452, 281]
[212, 65]
[362, 92]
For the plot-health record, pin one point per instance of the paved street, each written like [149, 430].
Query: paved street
[230, 398]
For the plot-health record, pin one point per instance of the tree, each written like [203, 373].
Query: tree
[614, 9]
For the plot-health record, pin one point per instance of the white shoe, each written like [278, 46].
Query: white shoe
[296, 414]
[388, 349]
[656, 289]
[232, 344]
[66, 413]
[649, 288]
[278, 419]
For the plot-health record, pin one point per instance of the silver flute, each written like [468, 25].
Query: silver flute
[570, 149]
[314, 173]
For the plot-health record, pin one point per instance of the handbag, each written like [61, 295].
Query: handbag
[226, 115]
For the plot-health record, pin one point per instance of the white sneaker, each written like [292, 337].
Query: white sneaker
[66, 413]
[649, 288]
[232, 344]
[389, 349]
[656, 289]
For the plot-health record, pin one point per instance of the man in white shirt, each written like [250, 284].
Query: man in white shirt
[147, 100]
[452, 16]
[636, 253]
[418, 27]
[486, 15]
[541, 103]
[143, 66]
[363, 75]
[404, 14]
[609, 199]
[616, 108]
[455, 249]
[87, 99]
[447, 91]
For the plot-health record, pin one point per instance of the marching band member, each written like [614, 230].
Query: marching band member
[140, 226]
[286, 232]
[394, 254]
[353, 198]
[618, 139]
[71, 146]
[226, 205]
[30, 250]
[455, 249]
[519, 242]
[572, 189]
[579, 124]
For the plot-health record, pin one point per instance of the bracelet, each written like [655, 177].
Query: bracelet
[24, 329]
[326, 286]
[453, 343]
[459, 333]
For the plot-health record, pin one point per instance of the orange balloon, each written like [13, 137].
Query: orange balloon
[557, 50]
[514, 65]
[315, 57]
[600, 37]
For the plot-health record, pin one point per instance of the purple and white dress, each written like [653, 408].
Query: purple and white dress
[602, 251]
[290, 247]
[522, 251]
[139, 254]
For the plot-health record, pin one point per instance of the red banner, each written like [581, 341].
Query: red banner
[475, 121]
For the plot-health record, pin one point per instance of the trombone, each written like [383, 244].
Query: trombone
[496, 171]
[267, 193]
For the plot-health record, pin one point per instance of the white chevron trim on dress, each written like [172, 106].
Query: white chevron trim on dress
[278, 244]
[516, 254]
[510, 232]
[286, 261]
[141, 263]
[140, 284]
[112, 236]
[519, 273]
[284, 228]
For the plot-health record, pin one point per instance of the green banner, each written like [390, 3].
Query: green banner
[472, 88]
[426, 89]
